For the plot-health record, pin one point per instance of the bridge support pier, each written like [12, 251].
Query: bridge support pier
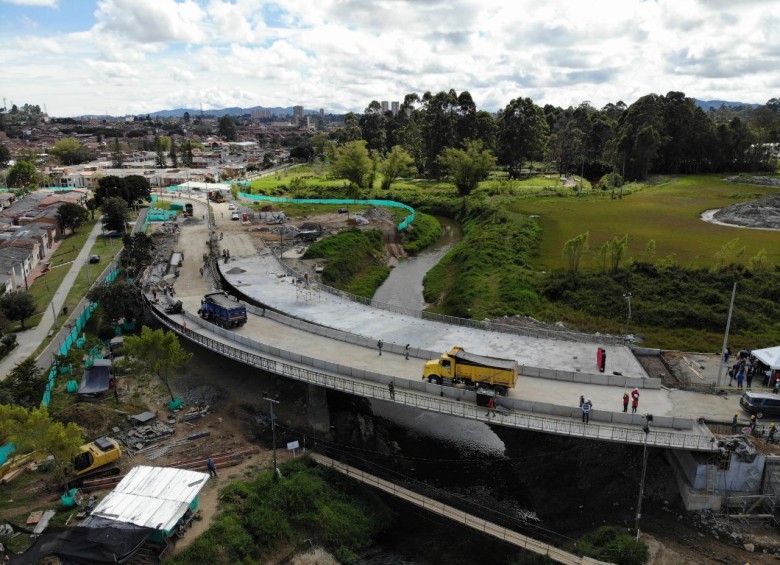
[317, 413]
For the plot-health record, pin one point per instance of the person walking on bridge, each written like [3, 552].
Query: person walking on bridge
[625, 402]
[587, 406]
[379, 345]
[634, 400]
[391, 388]
[491, 406]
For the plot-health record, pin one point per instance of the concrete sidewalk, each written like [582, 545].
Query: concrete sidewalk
[30, 340]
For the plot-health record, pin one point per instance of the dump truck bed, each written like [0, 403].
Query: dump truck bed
[221, 300]
[481, 361]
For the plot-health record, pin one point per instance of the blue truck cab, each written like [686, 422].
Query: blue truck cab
[219, 309]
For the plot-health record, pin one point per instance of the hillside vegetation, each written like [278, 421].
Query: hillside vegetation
[355, 260]
[308, 505]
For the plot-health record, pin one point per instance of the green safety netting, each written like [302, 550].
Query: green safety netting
[72, 338]
[337, 201]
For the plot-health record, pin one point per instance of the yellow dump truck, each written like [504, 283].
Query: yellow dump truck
[460, 368]
[96, 454]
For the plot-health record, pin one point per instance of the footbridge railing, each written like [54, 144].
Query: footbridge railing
[431, 403]
[525, 542]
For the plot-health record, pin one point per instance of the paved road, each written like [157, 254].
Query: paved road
[30, 340]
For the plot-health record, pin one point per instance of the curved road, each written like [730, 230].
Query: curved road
[258, 276]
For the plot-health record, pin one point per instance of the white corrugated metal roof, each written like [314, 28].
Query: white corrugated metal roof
[154, 497]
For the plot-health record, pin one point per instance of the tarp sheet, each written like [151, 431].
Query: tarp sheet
[81, 546]
[769, 356]
[96, 379]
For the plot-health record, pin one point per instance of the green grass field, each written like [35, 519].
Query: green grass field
[668, 212]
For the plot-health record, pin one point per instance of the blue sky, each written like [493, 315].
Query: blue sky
[137, 56]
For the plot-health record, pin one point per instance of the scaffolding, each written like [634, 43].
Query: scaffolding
[306, 291]
[751, 509]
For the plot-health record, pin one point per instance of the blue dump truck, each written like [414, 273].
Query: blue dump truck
[219, 309]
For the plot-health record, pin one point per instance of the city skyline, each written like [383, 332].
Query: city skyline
[140, 56]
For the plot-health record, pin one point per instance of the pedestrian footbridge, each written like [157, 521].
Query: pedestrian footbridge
[459, 516]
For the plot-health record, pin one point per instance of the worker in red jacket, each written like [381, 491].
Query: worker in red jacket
[634, 400]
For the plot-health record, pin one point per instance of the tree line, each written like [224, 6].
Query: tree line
[656, 134]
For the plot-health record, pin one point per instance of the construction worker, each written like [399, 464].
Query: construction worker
[734, 424]
[586, 408]
[752, 423]
[771, 437]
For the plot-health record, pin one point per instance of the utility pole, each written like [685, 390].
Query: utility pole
[628, 316]
[86, 266]
[646, 429]
[271, 403]
[726, 335]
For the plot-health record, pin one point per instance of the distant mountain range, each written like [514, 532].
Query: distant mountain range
[279, 111]
[707, 104]
[179, 112]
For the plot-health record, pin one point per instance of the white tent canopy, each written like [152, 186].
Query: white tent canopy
[769, 356]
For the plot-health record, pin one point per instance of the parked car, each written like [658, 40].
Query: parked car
[760, 403]
[235, 216]
[94, 258]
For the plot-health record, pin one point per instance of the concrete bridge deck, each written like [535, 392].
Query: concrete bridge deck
[259, 275]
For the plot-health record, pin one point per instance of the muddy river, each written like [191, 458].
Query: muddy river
[404, 285]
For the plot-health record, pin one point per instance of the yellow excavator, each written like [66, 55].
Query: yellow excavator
[95, 455]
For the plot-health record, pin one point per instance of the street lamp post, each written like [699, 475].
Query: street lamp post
[646, 429]
[627, 296]
[271, 403]
[726, 335]
[86, 265]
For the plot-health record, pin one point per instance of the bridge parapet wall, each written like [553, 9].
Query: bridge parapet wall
[397, 348]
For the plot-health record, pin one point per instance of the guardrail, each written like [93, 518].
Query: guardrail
[436, 398]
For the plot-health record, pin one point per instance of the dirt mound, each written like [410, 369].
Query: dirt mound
[94, 418]
[761, 213]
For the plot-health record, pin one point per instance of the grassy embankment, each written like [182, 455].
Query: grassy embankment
[509, 262]
[355, 260]
[267, 519]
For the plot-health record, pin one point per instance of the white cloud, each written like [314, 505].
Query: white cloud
[112, 70]
[152, 20]
[341, 54]
[182, 74]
